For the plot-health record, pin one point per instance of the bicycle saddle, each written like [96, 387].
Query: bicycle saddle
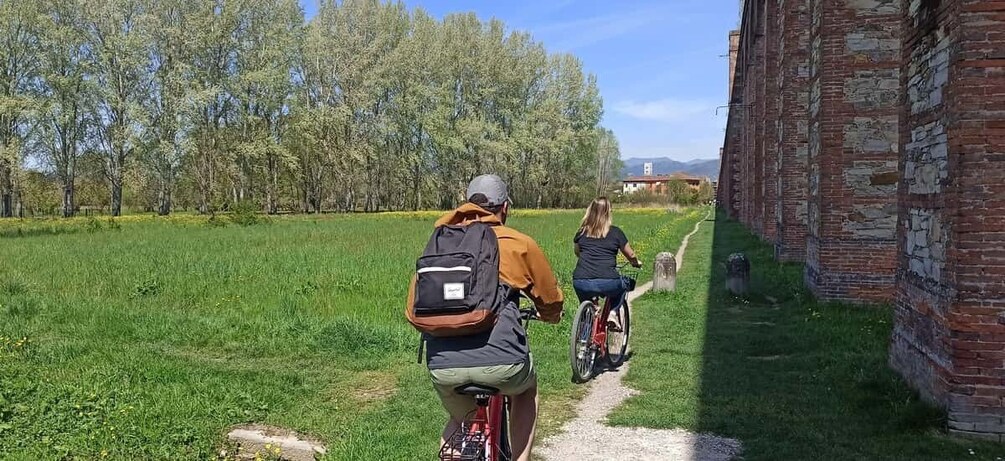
[475, 389]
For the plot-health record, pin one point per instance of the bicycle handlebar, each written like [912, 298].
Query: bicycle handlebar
[628, 264]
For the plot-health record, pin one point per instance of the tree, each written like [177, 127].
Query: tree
[174, 27]
[679, 192]
[64, 93]
[19, 41]
[364, 107]
[608, 162]
[121, 61]
[265, 58]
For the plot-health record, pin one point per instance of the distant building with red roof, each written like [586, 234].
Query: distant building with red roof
[658, 184]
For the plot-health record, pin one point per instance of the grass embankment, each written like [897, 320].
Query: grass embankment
[789, 377]
[149, 338]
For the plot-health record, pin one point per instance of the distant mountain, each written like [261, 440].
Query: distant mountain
[701, 167]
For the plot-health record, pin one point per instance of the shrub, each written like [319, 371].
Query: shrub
[246, 213]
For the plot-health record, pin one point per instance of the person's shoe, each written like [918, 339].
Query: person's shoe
[612, 323]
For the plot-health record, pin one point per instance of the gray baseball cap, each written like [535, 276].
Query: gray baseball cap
[492, 186]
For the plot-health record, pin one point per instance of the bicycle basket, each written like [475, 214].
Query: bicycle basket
[629, 276]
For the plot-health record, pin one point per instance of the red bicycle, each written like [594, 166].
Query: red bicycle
[596, 333]
[484, 435]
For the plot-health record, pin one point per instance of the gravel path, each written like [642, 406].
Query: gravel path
[587, 437]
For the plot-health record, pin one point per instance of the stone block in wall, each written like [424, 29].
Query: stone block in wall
[873, 89]
[873, 7]
[873, 221]
[872, 134]
[872, 44]
[925, 244]
[926, 166]
[929, 73]
[872, 178]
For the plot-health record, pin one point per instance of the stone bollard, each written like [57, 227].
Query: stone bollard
[256, 439]
[664, 272]
[738, 274]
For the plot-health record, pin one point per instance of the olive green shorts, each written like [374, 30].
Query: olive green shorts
[514, 379]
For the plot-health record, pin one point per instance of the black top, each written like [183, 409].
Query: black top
[598, 257]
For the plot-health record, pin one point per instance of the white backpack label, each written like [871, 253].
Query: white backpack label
[453, 291]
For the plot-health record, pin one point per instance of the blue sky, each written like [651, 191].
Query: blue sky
[659, 63]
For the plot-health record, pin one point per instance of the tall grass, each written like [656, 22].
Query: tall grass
[148, 339]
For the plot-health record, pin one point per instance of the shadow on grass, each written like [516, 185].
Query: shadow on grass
[792, 378]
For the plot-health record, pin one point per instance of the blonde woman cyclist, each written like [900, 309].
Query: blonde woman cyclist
[598, 243]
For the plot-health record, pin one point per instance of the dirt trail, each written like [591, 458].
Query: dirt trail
[587, 437]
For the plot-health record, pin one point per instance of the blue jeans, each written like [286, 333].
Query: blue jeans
[610, 288]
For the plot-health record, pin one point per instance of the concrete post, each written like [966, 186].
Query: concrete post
[665, 272]
[738, 274]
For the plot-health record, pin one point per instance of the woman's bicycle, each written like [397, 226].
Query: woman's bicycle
[484, 434]
[597, 334]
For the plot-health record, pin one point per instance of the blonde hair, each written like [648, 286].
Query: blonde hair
[597, 220]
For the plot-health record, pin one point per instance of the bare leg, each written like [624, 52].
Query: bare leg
[452, 427]
[522, 424]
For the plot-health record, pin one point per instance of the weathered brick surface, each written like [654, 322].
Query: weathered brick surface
[769, 114]
[729, 193]
[792, 147]
[887, 174]
[853, 126]
[751, 160]
[734, 46]
[949, 331]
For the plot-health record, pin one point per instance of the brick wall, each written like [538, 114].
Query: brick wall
[734, 46]
[887, 174]
[949, 330]
[749, 61]
[769, 127]
[853, 145]
[756, 120]
[790, 168]
[727, 192]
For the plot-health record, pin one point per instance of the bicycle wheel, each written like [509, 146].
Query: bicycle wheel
[617, 341]
[582, 354]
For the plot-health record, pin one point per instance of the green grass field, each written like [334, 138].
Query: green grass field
[791, 378]
[149, 338]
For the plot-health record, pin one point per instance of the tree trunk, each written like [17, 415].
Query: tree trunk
[271, 205]
[117, 198]
[6, 191]
[164, 199]
[203, 201]
[68, 198]
[18, 204]
[415, 187]
[115, 180]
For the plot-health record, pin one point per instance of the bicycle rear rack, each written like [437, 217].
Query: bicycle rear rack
[464, 446]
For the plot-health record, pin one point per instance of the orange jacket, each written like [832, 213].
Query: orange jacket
[522, 264]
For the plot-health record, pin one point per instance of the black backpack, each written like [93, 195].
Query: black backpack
[457, 289]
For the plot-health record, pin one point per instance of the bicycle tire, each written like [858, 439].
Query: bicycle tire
[624, 317]
[582, 354]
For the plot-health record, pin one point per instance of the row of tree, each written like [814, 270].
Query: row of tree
[677, 192]
[209, 103]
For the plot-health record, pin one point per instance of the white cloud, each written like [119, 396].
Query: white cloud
[665, 110]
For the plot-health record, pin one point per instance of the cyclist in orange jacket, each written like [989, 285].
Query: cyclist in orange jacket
[501, 357]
